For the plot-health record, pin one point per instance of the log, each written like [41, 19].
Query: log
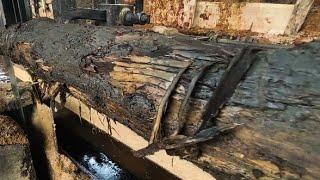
[126, 72]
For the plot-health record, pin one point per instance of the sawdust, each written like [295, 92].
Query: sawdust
[11, 133]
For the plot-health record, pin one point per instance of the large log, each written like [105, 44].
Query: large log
[125, 73]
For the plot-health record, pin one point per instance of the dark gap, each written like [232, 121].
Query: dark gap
[36, 141]
[84, 143]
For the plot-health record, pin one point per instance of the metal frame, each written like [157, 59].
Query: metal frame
[14, 11]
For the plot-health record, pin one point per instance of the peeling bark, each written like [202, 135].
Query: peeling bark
[124, 73]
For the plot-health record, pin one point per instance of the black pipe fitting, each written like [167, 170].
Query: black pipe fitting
[129, 18]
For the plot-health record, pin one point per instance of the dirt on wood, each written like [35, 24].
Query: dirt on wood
[124, 73]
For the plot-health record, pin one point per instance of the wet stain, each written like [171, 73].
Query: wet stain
[205, 16]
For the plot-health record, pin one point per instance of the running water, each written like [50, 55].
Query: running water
[4, 78]
[6, 61]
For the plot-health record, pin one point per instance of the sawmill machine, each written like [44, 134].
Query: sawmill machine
[14, 11]
[110, 12]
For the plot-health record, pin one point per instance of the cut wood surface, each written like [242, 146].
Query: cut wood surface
[125, 72]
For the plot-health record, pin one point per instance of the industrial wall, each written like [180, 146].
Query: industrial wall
[227, 16]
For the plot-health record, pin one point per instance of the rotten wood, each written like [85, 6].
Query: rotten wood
[182, 110]
[228, 84]
[124, 73]
[183, 141]
[187, 14]
[163, 104]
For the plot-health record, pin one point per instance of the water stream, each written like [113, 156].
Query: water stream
[96, 152]
[4, 78]
[99, 153]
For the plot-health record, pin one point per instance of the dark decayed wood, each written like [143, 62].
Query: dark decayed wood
[125, 73]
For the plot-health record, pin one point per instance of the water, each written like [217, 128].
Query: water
[4, 78]
[101, 155]
[102, 167]
[91, 158]
[96, 162]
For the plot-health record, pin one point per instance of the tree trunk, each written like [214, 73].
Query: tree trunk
[126, 73]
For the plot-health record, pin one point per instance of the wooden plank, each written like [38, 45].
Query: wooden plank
[45, 9]
[265, 18]
[299, 14]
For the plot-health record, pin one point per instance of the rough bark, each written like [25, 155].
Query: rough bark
[125, 73]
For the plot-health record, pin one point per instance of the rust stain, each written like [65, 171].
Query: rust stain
[204, 16]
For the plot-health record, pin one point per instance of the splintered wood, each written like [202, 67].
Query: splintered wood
[264, 119]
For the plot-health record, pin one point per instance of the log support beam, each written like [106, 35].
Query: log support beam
[299, 15]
